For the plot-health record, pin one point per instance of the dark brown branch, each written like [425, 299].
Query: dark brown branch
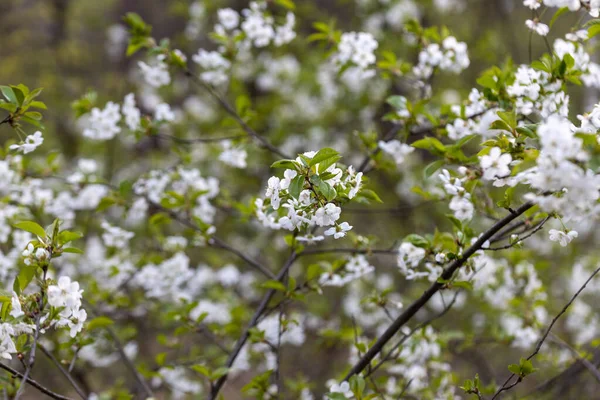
[198, 140]
[433, 289]
[535, 229]
[66, 373]
[35, 384]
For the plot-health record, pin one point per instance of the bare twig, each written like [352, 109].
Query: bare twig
[506, 385]
[126, 360]
[66, 373]
[198, 140]
[231, 111]
[255, 318]
[586, 363]
[35, 384]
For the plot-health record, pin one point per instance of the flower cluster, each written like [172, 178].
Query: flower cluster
[214, 66]
[260, 29]
[103, 124]
[156, 74]
[309, 195]
[355, 267]
[31, 143]
[357, 49]
[66, 296]
[451, 56]
[179, 188]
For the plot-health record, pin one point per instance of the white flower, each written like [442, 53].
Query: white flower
[462, 207]
[495, 164]
[354, 191]
[155, 75]
[409, 255]
[131, 112]
[310, 239]
[65, 293]
[358, 48]
[75, 327]
[215, 66]
[327, 215]
[16, 310]
[228, 18]
[31, 143]
[338, 231]
[343, 388]
[163, 113]
[103, 124]
[564, 238]
[538, 27]
[396, 149]
[532, 4]
[235, 157]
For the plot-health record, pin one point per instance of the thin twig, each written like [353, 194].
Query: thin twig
[586, 363]
[535, 229]
[198, 140]
[505, 386]
[35, 384]
[126, 360]
[255, 318]
[66, 373]
[231, 111]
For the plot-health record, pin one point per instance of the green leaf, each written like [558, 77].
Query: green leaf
[369, 195]
[9, 94]
[463, 285]
[322, 155]
[296, 186]
[336, 396]
[26, 275]
[593, 31]
[430, 143]
[73, 250]
[219, 372]
[201, 369]
[31, 227]
[286, 164]
[327, 190]
[34, 115]
[557, 14]
[323, 165]
[68, 236]
[32, 121]
[17, 286]
[99, 322]
[515, 369]
[273, 284]
[432, 167]
[417, 240]
[289, 4]
[38, 104]
[398, 102]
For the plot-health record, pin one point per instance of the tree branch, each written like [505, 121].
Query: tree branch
[66, 373]
[231, 111]
[255, 318]
[35, 384]
[433, 289]
[505, 386]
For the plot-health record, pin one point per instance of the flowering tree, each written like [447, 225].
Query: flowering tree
[298, 210]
